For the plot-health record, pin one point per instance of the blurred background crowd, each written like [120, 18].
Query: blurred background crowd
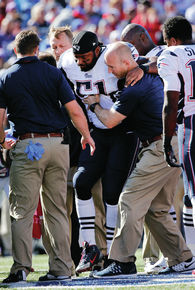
[107, 18]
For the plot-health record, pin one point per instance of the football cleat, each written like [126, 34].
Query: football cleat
[90, 256]
[160, 265]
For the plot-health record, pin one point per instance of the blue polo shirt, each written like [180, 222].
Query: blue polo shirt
[142, 104]
[33, 91]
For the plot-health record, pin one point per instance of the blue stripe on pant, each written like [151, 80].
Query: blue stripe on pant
[188, 154]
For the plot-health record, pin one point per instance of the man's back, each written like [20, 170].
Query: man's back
[32, 91]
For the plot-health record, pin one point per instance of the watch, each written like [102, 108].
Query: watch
[92, 106]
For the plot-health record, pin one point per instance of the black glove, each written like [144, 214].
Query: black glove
[169, 153]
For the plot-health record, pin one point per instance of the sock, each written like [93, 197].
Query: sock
[111, 217]
[189, 228]
[193, 209]
[173, 213]
[86, 216]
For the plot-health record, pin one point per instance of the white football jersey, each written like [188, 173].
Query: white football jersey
[156, 51]
[176, 66]
[95, 81]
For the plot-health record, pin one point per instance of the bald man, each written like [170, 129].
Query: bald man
[147, 194]
[138, 36]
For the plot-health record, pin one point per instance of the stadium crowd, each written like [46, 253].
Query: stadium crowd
[107, 18]
[62, 31]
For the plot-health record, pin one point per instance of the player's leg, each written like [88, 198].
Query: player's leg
[188, 224]
[121, 161]
[188, 161]
[90, 169]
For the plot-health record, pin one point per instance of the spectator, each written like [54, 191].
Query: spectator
[38, 21]
[148, 18]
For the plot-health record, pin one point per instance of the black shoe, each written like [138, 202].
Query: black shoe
[90, 256]
[50, 277]
[105, 262]
[181, 268]
[20, 276]
[117, 270]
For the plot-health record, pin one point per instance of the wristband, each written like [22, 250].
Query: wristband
[92, 107]
[2, 141]
[145, 68]
[167, 141]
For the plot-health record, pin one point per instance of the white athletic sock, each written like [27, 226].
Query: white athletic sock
[189, 228]
[193, 209]
[86, 216]
[173, 213]
[111, 217]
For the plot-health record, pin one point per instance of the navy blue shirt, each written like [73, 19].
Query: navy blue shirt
[142, 104]
[33, 91]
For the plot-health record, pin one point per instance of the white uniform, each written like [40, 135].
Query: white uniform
[176, 66]
[156, 51]
[175, 61]
[95, 81]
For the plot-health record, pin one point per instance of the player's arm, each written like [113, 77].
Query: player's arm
[137, 73]
[168, 69]
[171, 99]
[169, 124]
[80, 122]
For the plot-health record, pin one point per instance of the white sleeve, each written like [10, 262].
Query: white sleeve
[167, 64]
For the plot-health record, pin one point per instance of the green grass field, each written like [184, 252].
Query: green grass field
[40, 265]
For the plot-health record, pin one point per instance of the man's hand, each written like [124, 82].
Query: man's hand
[169, 153]
[91, 143]
[8, 144]
[134, 76]
[91, 99]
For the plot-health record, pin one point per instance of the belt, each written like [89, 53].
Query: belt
[39, 135]
[146, 143]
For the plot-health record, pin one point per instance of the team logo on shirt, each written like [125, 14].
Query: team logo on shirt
[76, 47]
[87, 75]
